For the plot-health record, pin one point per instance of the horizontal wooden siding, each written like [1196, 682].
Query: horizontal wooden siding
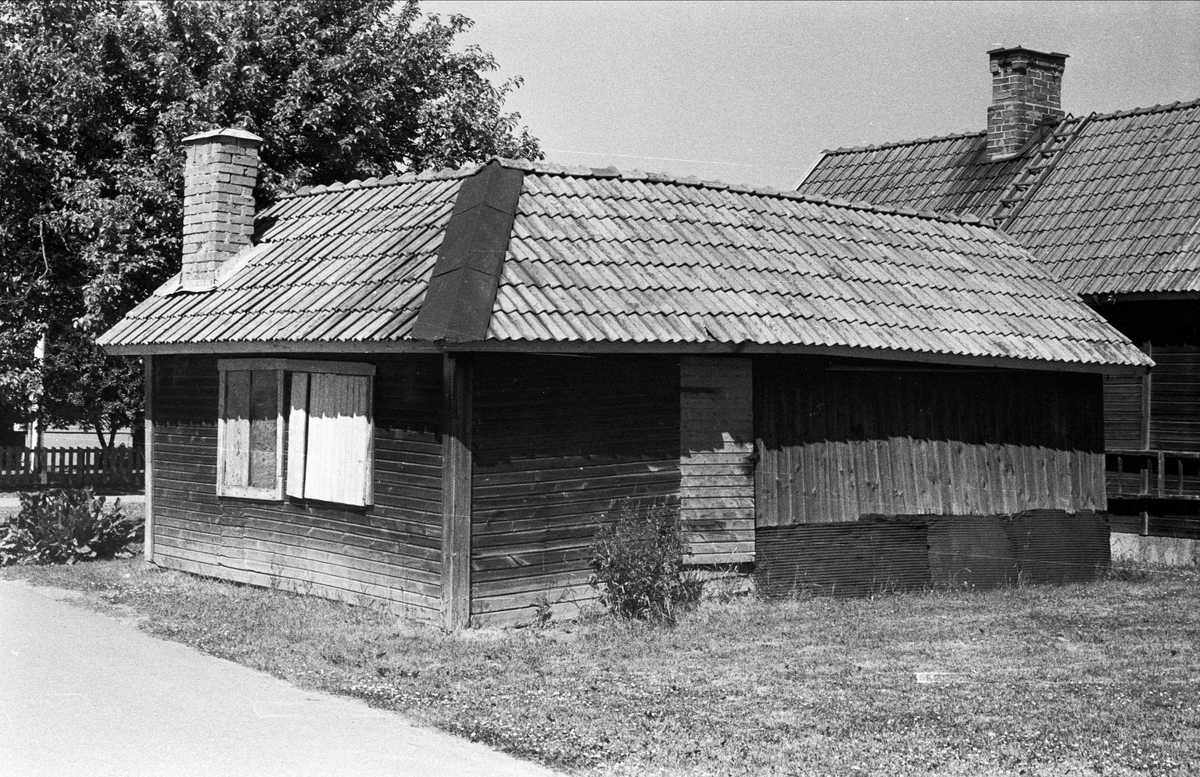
[716, 459]
[838, 440]
[559, 444]
[388, 553]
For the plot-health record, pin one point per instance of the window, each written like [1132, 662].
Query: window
[327, 433]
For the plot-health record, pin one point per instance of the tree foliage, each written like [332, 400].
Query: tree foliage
[95, 97]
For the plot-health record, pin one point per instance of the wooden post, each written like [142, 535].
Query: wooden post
[148, 452]
[456, 491]
[1146, 388]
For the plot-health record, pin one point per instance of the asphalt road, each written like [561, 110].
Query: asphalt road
[88, 694]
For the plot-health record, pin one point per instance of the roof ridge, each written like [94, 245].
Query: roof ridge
[1119, 114]
[388, 180]
[1178, 105]
[900, 143]
[551, 168]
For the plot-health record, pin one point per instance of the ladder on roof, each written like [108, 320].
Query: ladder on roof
[1037, 170]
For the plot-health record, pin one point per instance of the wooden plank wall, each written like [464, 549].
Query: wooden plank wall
[716, 465]
[559, 442]
[388, 553]
[1123, 412]
[838, 440]
[1175, 398]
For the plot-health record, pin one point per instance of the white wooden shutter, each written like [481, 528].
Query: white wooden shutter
[338, 459]
[297, 434]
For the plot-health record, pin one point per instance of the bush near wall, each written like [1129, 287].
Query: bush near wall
[637, 563]
[62, 526]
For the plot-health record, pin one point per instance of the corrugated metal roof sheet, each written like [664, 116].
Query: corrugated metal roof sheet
[604, 257]
[1119, 213]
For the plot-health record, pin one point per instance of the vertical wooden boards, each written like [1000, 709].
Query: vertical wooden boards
[297, 447]
[1175, 399]
[148, 417]
[235, 429]
[340, 429]
[1123, 429]
[1147, 402]
[839, 439]
[561, 445]
[716, 468]
[456, 491]
[265, 430]
[387, 554]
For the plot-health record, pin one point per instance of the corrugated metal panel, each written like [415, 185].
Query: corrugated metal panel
[885, 554]
[841, 559]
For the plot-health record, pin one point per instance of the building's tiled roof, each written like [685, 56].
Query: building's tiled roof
[948, 174]
[1119, 213]
[597, 256]
[344, 263]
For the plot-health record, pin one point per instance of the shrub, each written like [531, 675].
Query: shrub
[62, 526]
[637, 563]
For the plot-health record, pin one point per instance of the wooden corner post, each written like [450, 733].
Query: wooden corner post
[456, 492]
[148, 454]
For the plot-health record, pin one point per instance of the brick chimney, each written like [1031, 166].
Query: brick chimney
[1026, 92]
[218, 202]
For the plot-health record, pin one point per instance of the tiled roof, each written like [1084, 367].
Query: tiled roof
[343, 263]
[1119, 213]
[598, 256]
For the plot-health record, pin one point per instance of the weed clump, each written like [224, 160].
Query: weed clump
[637, 563]
[62, 526]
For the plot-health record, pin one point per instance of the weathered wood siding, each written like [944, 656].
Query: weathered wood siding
[1175, 398]
[1123, 412]
[716, 466]
[923, 551]
[388, 553]
[559, 443]
[838, 440]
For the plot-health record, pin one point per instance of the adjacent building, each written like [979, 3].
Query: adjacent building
[1109, 205]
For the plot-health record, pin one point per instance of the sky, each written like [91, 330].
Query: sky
[752, 92]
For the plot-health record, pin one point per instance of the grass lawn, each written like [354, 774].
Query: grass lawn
[1102, 679]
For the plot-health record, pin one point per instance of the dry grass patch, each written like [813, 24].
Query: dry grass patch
[1101, 679]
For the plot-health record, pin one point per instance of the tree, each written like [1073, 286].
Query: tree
[95, 97]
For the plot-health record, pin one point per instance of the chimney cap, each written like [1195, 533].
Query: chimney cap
[225, 132]
[1015, 49]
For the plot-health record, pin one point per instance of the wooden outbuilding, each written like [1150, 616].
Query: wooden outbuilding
[1109, 205]
[430, 391]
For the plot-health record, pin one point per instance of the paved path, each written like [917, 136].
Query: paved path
[84, 693]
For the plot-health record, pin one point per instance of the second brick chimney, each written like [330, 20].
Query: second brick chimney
[218, 202]
[1026, 92]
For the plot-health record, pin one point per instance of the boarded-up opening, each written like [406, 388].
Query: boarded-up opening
[716, 463]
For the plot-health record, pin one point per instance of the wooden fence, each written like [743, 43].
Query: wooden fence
[31, 468]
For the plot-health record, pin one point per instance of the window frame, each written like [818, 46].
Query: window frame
[284, 455]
